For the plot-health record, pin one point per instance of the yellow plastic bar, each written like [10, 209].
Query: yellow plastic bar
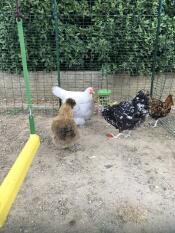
[14, 179]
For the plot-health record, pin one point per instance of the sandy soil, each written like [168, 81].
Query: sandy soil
[121, 185]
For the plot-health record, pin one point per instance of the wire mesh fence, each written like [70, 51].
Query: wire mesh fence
[104, 44]
[165, 47]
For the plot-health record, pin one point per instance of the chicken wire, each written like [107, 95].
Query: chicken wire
[163, 84]
[98, 68]
[12, 84]
[164, 81]
[168, 123]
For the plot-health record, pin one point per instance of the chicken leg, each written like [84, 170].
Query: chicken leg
[125, 135]
[155, 125]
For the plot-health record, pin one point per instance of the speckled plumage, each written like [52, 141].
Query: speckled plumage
[128, 114]
[159, 108]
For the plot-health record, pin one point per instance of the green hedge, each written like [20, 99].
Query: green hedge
[113, 35]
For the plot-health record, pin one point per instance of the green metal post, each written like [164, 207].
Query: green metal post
[55, 15]
[156, 42]
[25, 72]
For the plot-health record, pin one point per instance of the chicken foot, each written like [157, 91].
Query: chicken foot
[155, 125]
[125, 135]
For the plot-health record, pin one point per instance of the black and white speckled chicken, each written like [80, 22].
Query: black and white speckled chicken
[128, 114]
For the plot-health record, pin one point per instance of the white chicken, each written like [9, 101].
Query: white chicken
[84, 107]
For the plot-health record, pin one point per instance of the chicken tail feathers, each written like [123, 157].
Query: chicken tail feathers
[59, 92]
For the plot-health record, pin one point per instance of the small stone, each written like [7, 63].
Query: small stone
[108, 166]
[72, 222]
[152, 187]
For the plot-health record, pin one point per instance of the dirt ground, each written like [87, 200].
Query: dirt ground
[124, 185]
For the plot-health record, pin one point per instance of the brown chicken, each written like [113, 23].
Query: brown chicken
[64, 128]
[159, 108]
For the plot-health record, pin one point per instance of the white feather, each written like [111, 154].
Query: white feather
[79, 121]
[78, 96]
[84, 107]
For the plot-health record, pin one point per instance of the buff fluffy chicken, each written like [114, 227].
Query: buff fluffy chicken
[64, 128]
[84, 102]
[159, 108]
[128, 114]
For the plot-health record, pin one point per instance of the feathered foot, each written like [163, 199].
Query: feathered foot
[74, 148]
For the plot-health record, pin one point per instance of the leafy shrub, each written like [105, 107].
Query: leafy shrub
[112, 35]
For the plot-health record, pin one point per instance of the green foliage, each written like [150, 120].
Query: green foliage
[113, 35]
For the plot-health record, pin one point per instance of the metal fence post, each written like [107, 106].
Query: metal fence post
[155, 48]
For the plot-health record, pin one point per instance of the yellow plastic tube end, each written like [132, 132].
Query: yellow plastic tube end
[14, 179]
